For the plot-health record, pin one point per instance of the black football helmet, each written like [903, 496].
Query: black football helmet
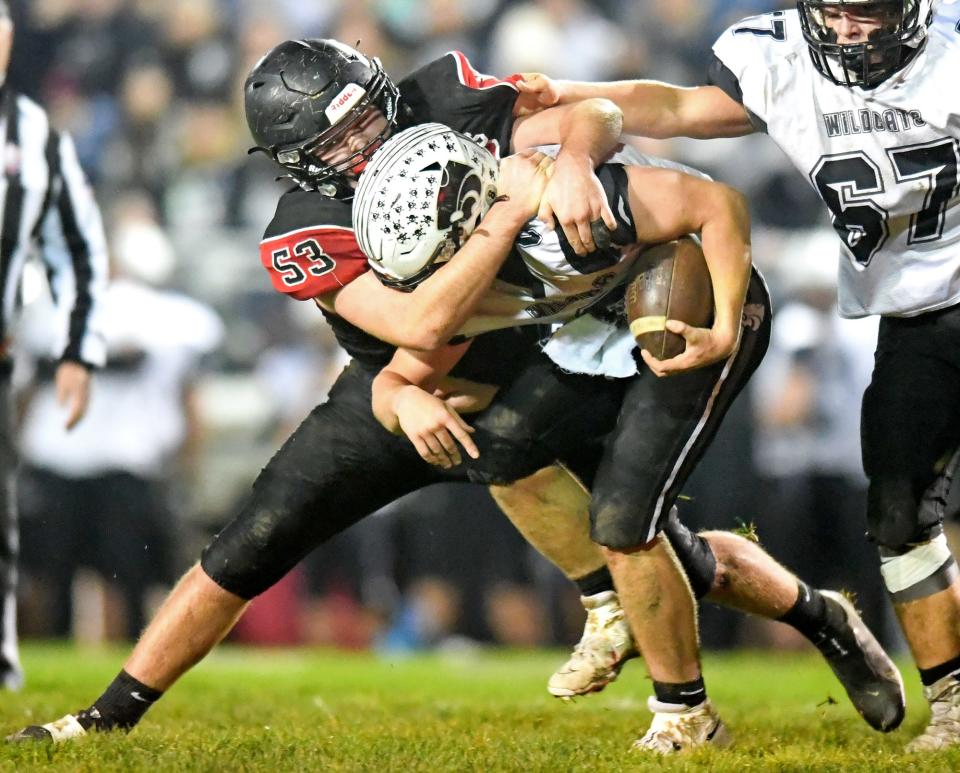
[889, 49]
[304, 95]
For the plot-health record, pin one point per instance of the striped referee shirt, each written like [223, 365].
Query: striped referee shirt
[48, 209]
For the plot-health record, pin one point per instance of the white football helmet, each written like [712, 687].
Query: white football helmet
[418, 200]
[901, 36]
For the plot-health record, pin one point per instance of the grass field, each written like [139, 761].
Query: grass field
[270, 710]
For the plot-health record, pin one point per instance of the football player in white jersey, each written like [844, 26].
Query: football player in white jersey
[632, 439]
[861, 95]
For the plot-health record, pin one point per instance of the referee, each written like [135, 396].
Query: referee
[46, 206]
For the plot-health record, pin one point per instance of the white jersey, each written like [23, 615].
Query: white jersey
[539, 284]
[883, 160]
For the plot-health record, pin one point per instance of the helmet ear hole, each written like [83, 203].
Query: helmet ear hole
[419, 199]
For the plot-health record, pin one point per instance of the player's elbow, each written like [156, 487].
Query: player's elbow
[728, 208]
[734, 203]
[738, 210]
[603, 111]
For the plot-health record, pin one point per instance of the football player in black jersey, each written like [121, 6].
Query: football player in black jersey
[311, 253]
[340, 463]
[449, 91]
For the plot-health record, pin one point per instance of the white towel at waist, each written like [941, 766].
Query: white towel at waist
[589, 345]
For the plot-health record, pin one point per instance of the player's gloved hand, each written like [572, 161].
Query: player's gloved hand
[537, 92]
[73, 390]
[433, 427]
[575, 197]
[523, 178]
[705, 346]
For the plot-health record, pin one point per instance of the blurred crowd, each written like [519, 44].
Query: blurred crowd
[151, 91]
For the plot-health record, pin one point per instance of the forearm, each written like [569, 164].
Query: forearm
[444, 302]
[589, 132]
[662, 110]
[386, 388]
[726, 247]
[410, 370]
[77, 259]
[428, 317]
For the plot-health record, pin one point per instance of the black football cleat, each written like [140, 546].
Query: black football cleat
[867, 673]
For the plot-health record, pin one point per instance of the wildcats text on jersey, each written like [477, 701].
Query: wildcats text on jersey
[885, 160]
[865, 121]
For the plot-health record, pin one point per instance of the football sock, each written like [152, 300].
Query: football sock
[121, 706]
[683, 693]
[596, 582]
[814, 615]
[930, 675]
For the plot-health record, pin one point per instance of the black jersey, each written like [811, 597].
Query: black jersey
[484, 361]
[449, 91]
[309, 247]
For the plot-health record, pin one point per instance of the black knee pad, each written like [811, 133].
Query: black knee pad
[250, 555]
[895, 517]
[620, 521]
[503, 460]
[626, 512]
[694, 553]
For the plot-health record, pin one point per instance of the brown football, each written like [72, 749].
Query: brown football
[673, 283]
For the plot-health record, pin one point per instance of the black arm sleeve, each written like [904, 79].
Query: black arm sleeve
[613, 177]
[719, 75]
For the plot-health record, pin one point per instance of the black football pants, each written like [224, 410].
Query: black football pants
[341, 465]
[658, 429]
[910, 426]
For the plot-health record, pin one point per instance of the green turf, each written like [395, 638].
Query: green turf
[270, 710]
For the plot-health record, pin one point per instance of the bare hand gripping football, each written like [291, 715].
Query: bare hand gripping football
[673, 284]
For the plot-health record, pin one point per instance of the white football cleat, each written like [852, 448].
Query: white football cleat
[64, 729]
[679, 728]
[605, 646]
[944, 728]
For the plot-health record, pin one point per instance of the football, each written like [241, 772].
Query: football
[673, 283]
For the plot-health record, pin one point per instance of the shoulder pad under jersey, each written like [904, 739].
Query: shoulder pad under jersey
[449, 90]
[755, 55]
[309, 248]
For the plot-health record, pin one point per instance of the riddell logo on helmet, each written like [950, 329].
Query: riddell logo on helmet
[344, 102]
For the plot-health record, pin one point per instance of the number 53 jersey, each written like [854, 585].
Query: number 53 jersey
[883, 160]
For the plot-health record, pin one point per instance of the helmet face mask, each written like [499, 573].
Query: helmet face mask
[308, 157]
[900, 31]
[418, 201]
[305, 96]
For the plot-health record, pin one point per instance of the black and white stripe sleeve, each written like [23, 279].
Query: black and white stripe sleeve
[74, 250]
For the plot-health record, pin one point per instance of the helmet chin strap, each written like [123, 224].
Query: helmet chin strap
[456, 236]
